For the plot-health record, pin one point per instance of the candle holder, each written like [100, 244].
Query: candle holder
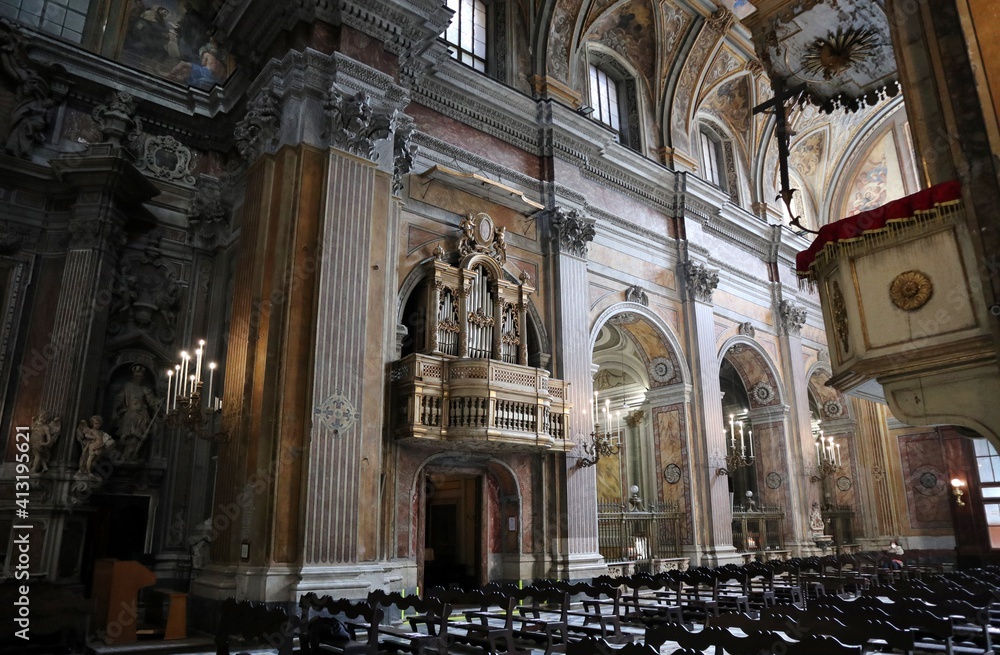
[827, 457]
[189, 416]
[185, 410]
[737, 456]
[602, 444]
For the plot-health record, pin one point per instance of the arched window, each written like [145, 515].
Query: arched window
[713, 162]
[466, 34]
[63, 18]
[613, 97]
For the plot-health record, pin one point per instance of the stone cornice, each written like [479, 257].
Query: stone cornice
[441, 152]
[668, 395]
[477, 101]
[768, 414]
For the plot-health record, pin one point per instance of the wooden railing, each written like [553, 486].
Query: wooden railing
[482, 403]
[638, 535]
[758, 530]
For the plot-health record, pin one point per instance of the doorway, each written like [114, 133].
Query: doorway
[453, 543]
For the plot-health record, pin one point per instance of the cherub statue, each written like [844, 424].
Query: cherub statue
[45, 429]
[94, 442]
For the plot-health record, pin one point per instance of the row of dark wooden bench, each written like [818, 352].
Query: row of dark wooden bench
[954, 613]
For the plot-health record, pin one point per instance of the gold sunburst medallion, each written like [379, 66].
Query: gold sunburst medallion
[911, 290]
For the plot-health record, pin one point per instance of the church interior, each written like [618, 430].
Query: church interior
[359, 295]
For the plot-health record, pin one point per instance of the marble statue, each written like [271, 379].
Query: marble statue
[134, 411]
[816, 519]
[94, 442]
[45, 429]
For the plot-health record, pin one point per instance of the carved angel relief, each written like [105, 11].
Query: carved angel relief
[481, 234]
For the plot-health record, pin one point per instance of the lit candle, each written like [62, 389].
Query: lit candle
[170, 384]
[177, 384]
[197, 365]
[743, 441]
[838, 455]
[732, 432]
[184, 371]
[819, 453]
[750, 439]
[191, 390]
[211, 379]
[618, 421]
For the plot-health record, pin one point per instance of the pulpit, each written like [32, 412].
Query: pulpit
[116, 594]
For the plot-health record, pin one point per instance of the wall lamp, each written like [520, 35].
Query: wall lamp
[586, 110]
[957, 489]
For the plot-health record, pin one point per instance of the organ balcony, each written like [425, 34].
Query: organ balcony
[478, 404]
[468, 383]
[903, 303]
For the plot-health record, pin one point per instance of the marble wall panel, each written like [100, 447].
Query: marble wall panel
[925, 479]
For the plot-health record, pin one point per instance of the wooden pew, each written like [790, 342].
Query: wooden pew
[320, 618]
[256, 624]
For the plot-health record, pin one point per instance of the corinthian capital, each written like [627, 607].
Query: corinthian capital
[574, 230]
[700, 280]
[791, 316]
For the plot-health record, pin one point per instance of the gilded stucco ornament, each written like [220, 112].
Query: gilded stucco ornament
[911, 290]
[840, 317]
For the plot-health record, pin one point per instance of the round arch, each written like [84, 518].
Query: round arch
[655, 320]
[780, 396]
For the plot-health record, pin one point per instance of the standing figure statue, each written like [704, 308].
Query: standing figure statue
[816, 519]
[94, 441]
[134, 411]
[45, 429]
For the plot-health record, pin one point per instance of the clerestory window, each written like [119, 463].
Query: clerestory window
[466, 34]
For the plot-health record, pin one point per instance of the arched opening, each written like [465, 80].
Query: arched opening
[638, 407]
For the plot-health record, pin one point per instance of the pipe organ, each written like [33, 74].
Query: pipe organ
[470, 383]
[473, 312]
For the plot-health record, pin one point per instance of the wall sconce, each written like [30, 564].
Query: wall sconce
[956, 488]
[586, 110]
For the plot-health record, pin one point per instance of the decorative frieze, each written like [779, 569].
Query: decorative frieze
[700, 281]
[480, 234]
[573, 230]
[791, 317]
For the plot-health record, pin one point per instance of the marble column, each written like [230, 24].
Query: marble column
[713, 508]
[799, 440]
[571, 232]
[297, 494]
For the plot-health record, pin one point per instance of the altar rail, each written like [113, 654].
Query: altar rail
[481, 404]
[639, 535]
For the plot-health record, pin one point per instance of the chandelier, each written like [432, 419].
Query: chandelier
[738, 455]
[188, 409]
[606, 442]
[828, 459]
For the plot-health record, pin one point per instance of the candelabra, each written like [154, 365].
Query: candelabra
[737, 454]
[602, 444]
[828, 460]
[187, 409]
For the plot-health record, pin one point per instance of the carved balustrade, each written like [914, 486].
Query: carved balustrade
[480, 404]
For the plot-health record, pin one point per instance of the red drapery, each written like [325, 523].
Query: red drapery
[856, 227]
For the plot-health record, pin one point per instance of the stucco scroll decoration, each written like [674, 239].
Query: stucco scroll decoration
[336, 414]
[637, 294]
[791, 316]
[701, 280]
[354, 125]
[840, 317]
[911, 290]
[29, 117]
[166, 158]
[574, 230]
[257, 131]
[480, 234]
